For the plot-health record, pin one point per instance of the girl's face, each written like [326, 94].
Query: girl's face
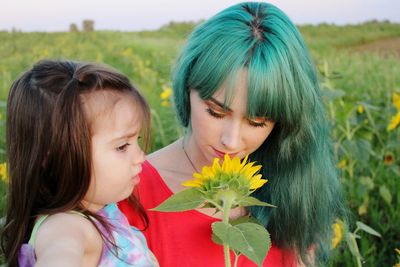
[116, 154]
[217, 129]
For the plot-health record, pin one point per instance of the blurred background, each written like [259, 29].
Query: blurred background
[355, 45]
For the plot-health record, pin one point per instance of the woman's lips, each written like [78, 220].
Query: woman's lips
[221, 154]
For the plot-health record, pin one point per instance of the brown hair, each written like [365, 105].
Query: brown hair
[49, 143]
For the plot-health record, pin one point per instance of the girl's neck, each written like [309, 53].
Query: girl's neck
[92, 207]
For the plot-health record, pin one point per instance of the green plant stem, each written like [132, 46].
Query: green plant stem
[359, 264]
[228, 201]
[236, 260]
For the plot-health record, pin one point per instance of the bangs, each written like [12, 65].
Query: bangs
[218, 65]
[271, 85]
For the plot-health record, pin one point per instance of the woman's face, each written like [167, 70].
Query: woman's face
[219, 130]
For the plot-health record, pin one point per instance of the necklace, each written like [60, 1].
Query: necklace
[187, 156]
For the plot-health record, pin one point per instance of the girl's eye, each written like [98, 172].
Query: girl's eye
[215, 114]
[123, 147]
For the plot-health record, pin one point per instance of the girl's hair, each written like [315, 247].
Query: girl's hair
[49, 143]
[282, 86]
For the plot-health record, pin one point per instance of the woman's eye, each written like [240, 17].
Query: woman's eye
[215, 114]
[123, 147]
[259, 122]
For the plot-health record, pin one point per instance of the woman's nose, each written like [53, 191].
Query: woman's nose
[231, 135]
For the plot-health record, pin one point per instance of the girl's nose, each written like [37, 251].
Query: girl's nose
[138, 156]
[231, 136]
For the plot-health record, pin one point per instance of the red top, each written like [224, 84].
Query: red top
[183, 239]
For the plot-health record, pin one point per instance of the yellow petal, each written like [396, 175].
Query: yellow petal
[198, 176]
[226, 166]
[215, 166]
[257, 183]
[244, 161]
[251, 171]
[235, 166]
[207, 172]
[192, 183]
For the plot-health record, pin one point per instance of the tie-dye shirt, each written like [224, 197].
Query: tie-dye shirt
[131, 245]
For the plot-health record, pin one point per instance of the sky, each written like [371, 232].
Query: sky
[134, 15]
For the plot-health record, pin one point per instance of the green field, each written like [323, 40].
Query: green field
[359, 69]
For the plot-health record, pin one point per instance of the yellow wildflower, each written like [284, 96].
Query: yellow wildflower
[342, 164]
[3, 172]
[166, 93]
[244, 175]
[395, 121]
[360, 109]
[337, 228]
[397, 250]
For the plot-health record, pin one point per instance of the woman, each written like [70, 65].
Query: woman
[245, 84]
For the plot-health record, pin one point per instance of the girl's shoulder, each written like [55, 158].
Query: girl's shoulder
[67, 235]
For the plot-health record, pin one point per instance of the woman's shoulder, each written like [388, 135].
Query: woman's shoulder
[169, 162]
[165, 157]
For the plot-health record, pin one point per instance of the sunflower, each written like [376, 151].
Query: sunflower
[232, 174]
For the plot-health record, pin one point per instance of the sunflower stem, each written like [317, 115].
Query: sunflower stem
[228, 200]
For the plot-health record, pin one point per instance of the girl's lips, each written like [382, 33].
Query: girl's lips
[136, 179]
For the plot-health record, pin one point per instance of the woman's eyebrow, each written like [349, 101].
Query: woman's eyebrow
[215, 101]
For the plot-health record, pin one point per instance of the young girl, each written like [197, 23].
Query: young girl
[72, 147]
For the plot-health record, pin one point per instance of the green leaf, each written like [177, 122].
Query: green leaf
[185, 200]
[216, 239]
[249, 239]
[367, 229]
[243, 219]
[252, 201]
[352, 243]
[385, 194]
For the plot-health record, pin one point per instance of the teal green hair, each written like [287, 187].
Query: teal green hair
[283, 86]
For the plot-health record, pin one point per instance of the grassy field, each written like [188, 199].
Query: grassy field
[359, 69]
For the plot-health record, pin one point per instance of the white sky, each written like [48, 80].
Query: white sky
[134, 15]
